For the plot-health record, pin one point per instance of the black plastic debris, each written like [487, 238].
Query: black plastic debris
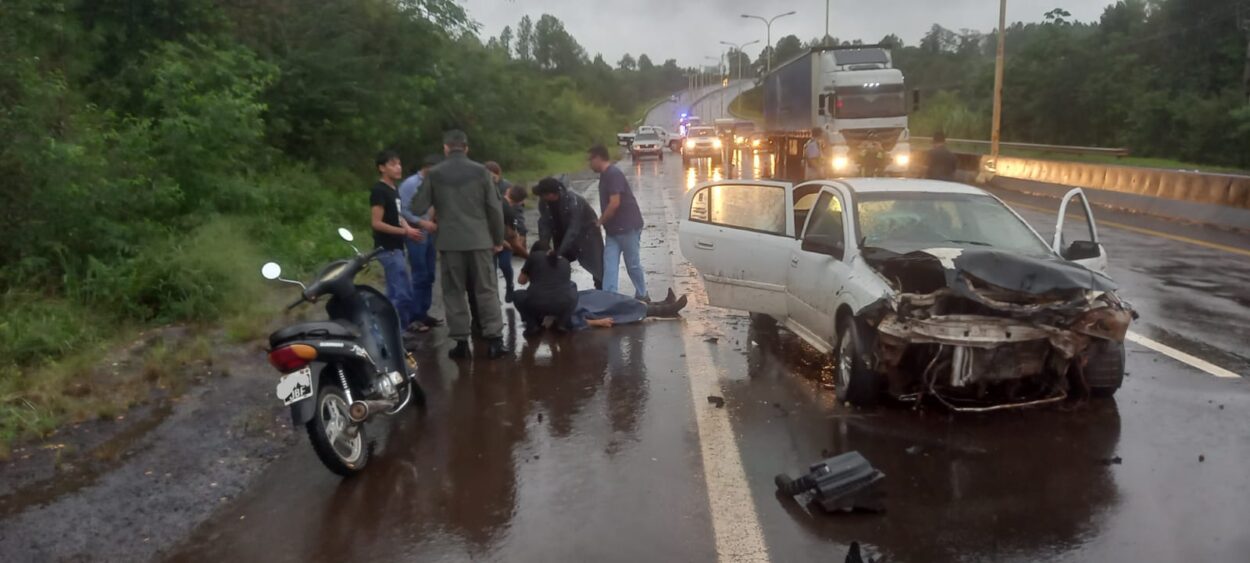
[718, 401]
[843, 482]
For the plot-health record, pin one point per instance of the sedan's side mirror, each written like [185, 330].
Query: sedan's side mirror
[824, 244]
[1082, 250]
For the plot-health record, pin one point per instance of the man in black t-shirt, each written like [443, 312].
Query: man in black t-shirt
[389, 231]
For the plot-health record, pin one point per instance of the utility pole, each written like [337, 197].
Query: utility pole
[998, 84]
[768, 33]
[741, 53]
[826, 21]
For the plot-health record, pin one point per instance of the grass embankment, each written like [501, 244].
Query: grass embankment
[749, 105]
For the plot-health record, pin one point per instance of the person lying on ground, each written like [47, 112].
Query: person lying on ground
[552, 293]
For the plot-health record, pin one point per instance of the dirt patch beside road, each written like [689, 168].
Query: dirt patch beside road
[126, 488]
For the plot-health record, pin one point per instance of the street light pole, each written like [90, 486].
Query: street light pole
[768, 32]
[998, 83]
[741, 53]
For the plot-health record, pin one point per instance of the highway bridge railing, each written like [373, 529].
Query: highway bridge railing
[1056, 149]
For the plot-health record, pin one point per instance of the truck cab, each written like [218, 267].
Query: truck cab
[853, 98]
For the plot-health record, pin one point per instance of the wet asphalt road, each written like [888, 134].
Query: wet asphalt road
[593, 446]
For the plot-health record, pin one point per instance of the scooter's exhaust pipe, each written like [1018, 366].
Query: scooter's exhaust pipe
[362, 410]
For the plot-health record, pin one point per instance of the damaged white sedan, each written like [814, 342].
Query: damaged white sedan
[920, 289]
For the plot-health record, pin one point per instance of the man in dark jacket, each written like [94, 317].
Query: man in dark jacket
[942, 162]
[570, 226]
[470, 233]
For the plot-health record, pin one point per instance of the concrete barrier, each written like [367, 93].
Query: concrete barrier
[1215, 189]
[1215, 199]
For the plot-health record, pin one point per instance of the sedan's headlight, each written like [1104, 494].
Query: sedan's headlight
[689, 143]
[902, 159]
[716, 143]
[755, 142]
[840, 162]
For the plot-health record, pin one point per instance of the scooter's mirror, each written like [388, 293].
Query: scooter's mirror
[346, 234]
[271, 271]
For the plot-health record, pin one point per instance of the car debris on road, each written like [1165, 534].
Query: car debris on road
[842, 483]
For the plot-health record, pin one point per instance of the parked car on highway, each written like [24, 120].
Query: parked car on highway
[701, 142]
[919, 289]
[647, 143]
[745, 137]
[625, 138]
[667, 139]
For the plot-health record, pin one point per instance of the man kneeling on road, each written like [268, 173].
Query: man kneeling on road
[569, 225]
[552, 293]
[470, 233]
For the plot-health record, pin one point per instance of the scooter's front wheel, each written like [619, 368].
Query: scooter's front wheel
[340, 444]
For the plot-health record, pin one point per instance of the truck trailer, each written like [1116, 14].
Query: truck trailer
[853, 98]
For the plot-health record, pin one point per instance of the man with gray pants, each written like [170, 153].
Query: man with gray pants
[470, 233]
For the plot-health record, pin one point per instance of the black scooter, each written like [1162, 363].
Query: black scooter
[365, 369]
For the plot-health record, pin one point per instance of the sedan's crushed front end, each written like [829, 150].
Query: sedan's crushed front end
[984, 329]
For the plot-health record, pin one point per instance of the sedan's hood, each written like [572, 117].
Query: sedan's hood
[1004, 270]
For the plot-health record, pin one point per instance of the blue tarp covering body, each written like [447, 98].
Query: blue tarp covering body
[598, 304]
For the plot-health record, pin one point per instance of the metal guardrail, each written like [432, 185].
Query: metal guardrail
[1061, 149]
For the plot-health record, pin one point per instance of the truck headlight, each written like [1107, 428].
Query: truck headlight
[902, 159]
[840, 162]
[689, 144]
[716, 143]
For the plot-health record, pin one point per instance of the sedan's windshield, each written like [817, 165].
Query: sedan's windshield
[907, 221]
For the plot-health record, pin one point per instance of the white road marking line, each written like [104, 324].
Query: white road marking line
[735, 524]
[1180, 356]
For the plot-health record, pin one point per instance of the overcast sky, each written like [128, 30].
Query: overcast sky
[689, 30]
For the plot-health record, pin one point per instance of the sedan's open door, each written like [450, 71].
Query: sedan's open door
[739, 235]
[1079, 243]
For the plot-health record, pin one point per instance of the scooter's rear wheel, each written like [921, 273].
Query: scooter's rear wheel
[340, 444]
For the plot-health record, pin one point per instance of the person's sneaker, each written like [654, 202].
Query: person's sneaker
[432, 322]
[461, 350]
[507, 295]
[644, 298]
[497, 349]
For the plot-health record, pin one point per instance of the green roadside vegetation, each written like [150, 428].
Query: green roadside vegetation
[156, 152]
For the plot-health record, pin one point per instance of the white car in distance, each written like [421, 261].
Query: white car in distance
[921, 290]
[673, 142]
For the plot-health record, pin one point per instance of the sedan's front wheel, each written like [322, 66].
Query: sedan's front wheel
[856, 383]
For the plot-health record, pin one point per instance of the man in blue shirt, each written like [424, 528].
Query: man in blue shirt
[421, 254]
[622, 224]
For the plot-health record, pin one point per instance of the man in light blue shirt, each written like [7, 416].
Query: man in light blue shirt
[421, 255]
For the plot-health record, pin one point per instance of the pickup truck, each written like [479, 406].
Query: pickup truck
[919, 290]
[673, 142]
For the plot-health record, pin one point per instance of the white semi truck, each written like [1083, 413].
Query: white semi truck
[853, 97]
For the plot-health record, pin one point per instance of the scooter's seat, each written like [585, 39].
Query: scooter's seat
[316, 329]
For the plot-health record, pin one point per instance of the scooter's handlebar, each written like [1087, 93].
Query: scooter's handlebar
[335, 273]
